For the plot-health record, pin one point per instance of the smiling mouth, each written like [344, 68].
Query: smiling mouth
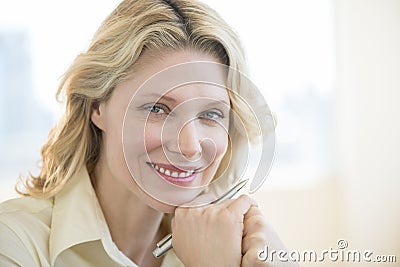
[174, 175]
[170, 172]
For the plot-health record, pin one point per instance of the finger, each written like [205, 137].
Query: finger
[241, 205]
[253, 218]
[172, 223]
[253, 211]
[255, 230]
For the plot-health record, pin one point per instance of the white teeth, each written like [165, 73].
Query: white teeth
[170, 173]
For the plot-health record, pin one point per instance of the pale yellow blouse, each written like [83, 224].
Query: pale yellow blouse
[66, 230]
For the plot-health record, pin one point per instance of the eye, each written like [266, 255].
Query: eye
[157, 109]
[212, 115]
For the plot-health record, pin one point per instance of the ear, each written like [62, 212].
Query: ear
[97, 115]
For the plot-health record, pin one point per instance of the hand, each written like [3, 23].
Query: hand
[211, 235]
[257, 234]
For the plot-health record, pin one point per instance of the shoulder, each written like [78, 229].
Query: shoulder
[28, 204]
[26, 212]
[24, 230]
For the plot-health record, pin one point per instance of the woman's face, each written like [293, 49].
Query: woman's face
[164, 137]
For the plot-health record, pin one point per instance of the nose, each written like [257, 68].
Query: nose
[188, 141]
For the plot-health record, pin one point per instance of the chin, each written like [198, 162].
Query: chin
[162, 207]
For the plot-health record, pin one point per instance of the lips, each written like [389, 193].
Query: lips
[173, 174]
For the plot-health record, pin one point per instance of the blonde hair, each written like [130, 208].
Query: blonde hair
[134, 26]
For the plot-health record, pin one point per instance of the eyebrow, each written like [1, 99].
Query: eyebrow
[171, 99]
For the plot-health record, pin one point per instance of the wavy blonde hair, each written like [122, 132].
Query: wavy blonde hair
[133, 27]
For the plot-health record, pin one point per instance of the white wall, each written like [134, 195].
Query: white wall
[361, 203]
[368, 120]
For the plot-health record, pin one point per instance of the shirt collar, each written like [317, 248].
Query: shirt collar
[75, 218]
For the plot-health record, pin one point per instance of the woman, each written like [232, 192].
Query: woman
[99, 199]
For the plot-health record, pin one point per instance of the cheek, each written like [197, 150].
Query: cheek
[113, 149]
[220, 140]
[113, 138]
[219, 150]
[222, 145]
[141, 137]
[133, 142]
[151, 137]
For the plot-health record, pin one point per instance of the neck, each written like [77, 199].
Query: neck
[134, 226]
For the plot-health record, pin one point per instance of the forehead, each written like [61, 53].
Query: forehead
[179, 74]
[201, 92]
[151, 62]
